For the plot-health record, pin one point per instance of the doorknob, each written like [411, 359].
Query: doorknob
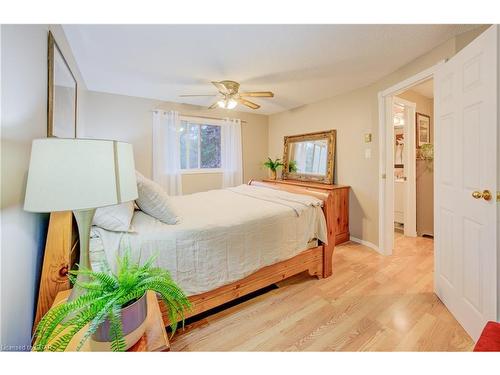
[486, 195]
[477, 194]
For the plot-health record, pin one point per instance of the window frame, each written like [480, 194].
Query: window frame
[202, 121]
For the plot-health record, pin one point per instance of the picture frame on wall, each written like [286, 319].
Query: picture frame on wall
[62, 94]
[423, 129]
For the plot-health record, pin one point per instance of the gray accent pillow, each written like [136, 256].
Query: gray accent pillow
[154, 201]
[116, 218]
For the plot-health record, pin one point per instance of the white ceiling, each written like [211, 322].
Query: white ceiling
[425, 88]
[300, 63]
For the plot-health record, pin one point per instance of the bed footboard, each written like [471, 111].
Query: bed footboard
[328, 194]
[316, 261]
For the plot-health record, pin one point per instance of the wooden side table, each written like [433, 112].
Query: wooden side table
[155, 339]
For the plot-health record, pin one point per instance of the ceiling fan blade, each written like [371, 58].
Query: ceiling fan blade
[213, 105]
[222, 89]
[248, 103]
[258, 94]
[183, 96]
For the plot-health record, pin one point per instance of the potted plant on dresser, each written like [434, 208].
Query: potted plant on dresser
[273, 166]
[113, 309]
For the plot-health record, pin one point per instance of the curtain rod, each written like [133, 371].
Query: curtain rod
[186, 115]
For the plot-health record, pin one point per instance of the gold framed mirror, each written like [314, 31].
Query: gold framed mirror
[62, 94]
[310, 157]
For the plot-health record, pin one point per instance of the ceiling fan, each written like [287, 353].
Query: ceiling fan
[230, 95]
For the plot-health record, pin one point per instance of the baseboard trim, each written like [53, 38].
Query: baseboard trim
[365, 243]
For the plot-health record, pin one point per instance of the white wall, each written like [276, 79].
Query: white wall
[129, 119]
[23, 117]
[24, 113]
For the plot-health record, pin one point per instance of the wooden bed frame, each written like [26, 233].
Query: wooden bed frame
[62, 248]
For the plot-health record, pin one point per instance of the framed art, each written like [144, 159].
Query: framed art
[62, 94]
[423, 129]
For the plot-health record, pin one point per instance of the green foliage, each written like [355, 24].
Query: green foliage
[273, 164]
[104, 297]
[204, 144]
[210, 146]
[426, 153]
[292, 166]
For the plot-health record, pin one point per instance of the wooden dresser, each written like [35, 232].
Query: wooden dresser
[340, 195]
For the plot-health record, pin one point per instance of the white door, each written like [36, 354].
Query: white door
[465, 166]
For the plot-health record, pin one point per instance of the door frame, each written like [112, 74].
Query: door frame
[386, 156]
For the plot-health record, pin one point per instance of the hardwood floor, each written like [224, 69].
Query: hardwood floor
[371, 303]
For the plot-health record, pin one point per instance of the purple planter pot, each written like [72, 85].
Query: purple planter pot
[132, 317]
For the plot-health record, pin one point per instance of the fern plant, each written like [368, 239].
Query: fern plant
[292, 166]
[105, 295]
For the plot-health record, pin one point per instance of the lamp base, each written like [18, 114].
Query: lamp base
[84, 221]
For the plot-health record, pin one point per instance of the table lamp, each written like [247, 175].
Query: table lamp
[79, 175]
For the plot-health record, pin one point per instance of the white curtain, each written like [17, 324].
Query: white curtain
[231, 158]
[166, 151]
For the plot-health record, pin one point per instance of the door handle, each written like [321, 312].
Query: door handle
[486, 195]
[477, 194]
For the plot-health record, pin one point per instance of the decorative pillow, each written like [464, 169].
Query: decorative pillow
[116, 218]
[154, 201]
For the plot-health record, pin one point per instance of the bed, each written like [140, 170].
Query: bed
[229, 243]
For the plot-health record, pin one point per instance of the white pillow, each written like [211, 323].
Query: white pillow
[154, 201]
[116, 218]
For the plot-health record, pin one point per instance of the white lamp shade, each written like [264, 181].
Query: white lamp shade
[77, 174]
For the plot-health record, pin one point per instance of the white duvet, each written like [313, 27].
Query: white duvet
[223, 235]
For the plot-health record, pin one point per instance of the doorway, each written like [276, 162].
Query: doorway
[402, 100]
[403, 125]
[413, 127]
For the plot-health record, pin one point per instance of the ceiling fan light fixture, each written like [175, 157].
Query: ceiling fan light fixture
[231, 103]
[230, 96]
[227, 103]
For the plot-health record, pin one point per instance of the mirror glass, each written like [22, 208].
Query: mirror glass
[62, 95]
[309, 157]
[64, 98]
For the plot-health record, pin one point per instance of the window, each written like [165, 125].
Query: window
[200, 146]
[399, 114]
[312, 157]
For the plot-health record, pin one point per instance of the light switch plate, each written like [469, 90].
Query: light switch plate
[368, 153]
